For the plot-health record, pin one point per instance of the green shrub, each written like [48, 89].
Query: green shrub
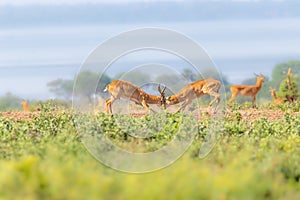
[43, 158]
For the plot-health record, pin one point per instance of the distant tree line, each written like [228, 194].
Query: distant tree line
[63, 88]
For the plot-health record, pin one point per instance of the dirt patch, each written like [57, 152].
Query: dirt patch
[21, 115]
[254, 114]
[249, 114]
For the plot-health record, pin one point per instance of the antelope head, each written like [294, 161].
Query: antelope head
[260, 77]
[172, 100]
[272, 89]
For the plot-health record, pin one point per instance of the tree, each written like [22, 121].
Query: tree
[288, 89]
[84, 87]
[280, 71]
[9, 102]
[189, 75]
[210, 73]
[249, 81]
[61, 88]
[135, 77]
[173, 82]
[279, 75]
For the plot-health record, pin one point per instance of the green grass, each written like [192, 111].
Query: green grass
[45, 159]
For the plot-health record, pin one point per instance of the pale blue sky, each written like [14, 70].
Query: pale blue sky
[59, 2]
[43, 43]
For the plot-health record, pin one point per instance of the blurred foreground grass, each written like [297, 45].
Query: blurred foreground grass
[44, 159]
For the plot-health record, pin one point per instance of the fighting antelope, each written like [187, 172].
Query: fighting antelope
[247, 90]
[123, 89]
[195, 90]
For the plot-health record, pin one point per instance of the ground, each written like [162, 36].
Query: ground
[248, 114]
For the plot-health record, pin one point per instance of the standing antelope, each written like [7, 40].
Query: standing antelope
[196, 90]
[25, 105]
[123, 89]
[276, 99]
[247, 90]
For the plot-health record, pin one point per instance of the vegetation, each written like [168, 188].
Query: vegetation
[10, 102]
[280, 71]
[64, 88]
[43, 158]
[288, 89]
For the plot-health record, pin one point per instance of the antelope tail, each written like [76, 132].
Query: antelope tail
[105, 89]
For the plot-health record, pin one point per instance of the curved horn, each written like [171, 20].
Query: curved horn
[161, 91]
[164, 89]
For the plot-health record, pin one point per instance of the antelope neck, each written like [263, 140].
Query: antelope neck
[259, 83]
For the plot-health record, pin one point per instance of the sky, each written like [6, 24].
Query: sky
[59, 2]
[43, 43]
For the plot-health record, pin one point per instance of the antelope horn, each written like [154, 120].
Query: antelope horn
[161, 91]
[159, 88]
[164, 89]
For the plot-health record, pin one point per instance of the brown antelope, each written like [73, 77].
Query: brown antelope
[27, 108]
[276, 99]
[247, 90]
[25, 105]
[123, 89]
[196, 90]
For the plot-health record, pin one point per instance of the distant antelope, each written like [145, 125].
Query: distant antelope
[25, 105]
[276, 99]
[195, 90]
[27, 108]
[247, 90]
[123, 89]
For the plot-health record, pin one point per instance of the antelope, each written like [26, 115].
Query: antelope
[25, 105]
[247, 90]
[124, 89]
[274, 96]
[195, 90]
[27, 108]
